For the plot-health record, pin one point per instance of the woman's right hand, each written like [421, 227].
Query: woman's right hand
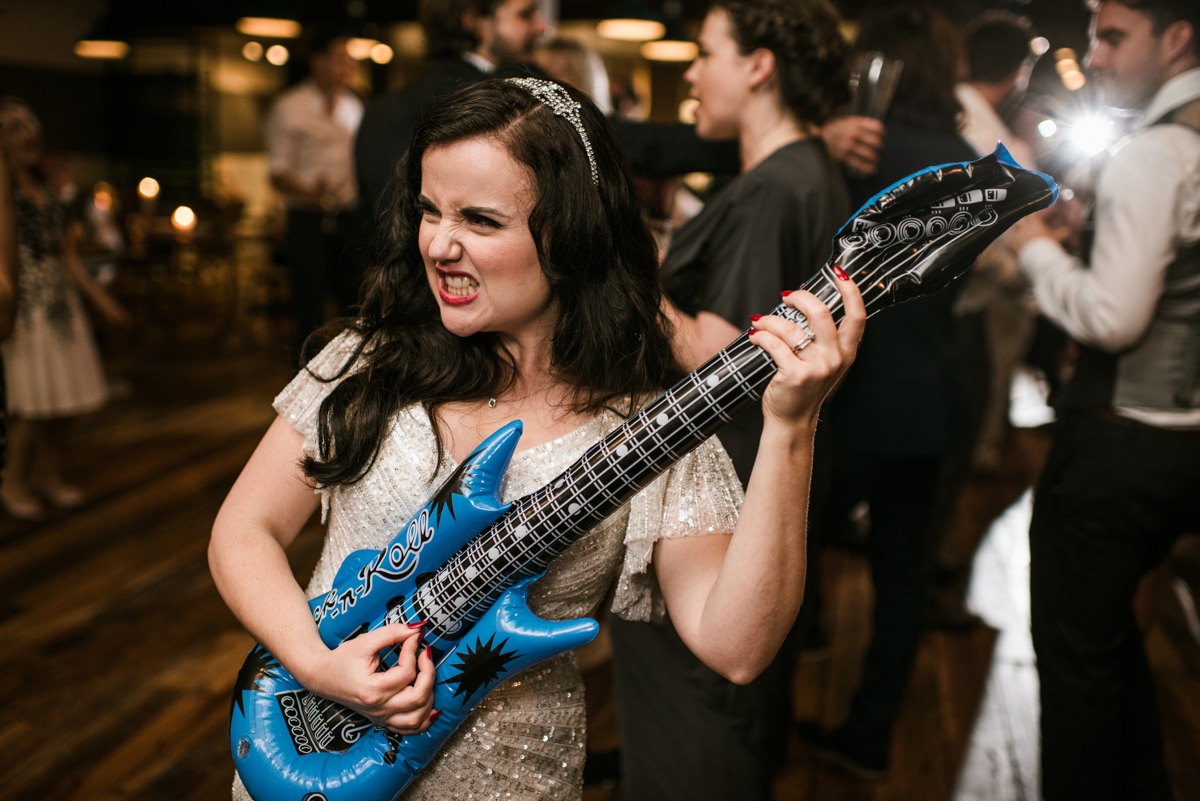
[400, 698]
[810, 362]
[855, 142]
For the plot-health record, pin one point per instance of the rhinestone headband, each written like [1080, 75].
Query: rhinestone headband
[555, 98]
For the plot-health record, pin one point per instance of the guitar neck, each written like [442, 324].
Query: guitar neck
[543, 524]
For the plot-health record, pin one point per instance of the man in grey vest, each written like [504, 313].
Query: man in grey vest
[1122, 481]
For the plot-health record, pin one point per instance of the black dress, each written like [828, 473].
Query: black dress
[767, 231]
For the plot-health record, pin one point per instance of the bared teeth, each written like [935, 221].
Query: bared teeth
[461, 284]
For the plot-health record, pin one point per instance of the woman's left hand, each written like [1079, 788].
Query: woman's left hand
[810, 363]
[111, 310]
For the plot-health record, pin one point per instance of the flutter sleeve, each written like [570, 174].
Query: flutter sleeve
[300, 401]
[701, 494]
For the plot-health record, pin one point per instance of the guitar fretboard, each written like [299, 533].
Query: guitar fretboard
[543, 524]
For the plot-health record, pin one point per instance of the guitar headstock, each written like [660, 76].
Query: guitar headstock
[918, 235]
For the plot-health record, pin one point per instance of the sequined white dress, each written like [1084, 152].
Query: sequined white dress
[526, 740]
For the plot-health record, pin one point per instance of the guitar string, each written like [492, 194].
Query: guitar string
[656, 445]
[655, 440]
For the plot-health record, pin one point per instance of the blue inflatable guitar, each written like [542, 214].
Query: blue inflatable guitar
[463, 563]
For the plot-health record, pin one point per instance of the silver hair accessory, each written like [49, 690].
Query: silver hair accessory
[555, 98]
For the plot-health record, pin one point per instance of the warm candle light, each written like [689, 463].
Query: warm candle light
[359, 47]
[277, 55]
[102, 196]
[382, 54]
[183, 219]
[148, 188]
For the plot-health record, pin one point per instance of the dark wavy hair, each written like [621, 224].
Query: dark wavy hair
[442, 23]
[1162, 13]
[610, 341]
[925, 39]
[810, 53]
[997, 46]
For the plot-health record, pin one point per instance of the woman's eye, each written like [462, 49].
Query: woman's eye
[479, 219]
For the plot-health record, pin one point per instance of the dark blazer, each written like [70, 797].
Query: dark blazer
[390, 119]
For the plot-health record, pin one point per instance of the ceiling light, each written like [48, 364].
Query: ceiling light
[628, 29]
[102, 41]
[674, 45]
[632, 21]
[269, 27]
[101, 48]
[669, 50]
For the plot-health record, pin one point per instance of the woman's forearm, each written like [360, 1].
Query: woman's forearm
[733, 599]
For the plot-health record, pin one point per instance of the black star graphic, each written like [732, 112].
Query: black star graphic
[455, 486]
[481, 666]
[393, 741]
[258, 663]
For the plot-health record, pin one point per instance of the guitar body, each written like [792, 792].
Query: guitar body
[291, 745]
[465, 560]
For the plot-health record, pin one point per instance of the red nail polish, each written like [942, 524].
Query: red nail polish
[785, 293]
[428, 652]
[752, 330]
[754, 318]
[433, 715]
[416, 624]
[840, 273]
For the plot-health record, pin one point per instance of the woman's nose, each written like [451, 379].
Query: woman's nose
[444, 244]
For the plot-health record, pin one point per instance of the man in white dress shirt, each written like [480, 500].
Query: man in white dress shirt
[1120, 484]
[310, 140]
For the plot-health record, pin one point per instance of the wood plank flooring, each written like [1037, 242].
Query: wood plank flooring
[117, 656]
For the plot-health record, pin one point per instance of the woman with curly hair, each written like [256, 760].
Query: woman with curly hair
[769, 74]
[519, 282]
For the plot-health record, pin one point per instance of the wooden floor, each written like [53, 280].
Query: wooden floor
[117, 656]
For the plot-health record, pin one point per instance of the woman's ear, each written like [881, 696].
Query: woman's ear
[762, 68]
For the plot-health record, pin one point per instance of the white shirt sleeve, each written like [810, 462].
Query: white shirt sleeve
[1109, 304]
[280, 155]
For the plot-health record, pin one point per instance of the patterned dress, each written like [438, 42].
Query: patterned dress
[51, 365]
[527, 739]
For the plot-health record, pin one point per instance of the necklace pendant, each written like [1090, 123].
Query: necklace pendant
[492, 403]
